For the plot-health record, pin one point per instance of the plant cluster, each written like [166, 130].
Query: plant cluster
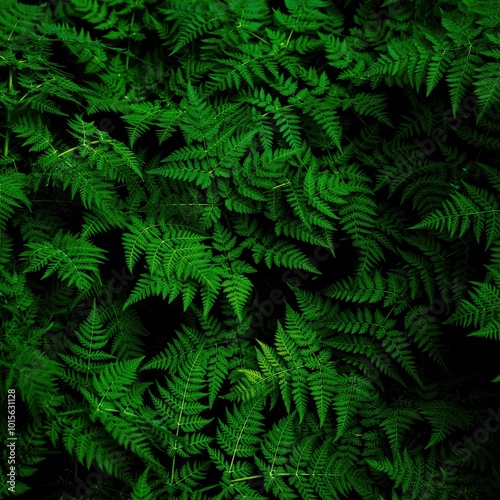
[210, 148]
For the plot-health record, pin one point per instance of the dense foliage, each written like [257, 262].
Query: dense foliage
[300, 202]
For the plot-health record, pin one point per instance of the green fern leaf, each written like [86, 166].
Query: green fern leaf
[396, 422]
[487, 88]
[240, 436]
[444, 419]
[238, 289]
[73, 257]
[456, 215]
[352, 393]
[12, 192]
[142, 490]
[365, 288]
[437, 67]
[460, 77]
[113, 379]
[481, 310]
[36, 132]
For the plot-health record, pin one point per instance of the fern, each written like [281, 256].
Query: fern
[396, 421]
[439, 416]
[142, 490]
[178, 251]
[460, 77]
[411, 475]
[113, 379]
[12, 186]
[213, 149]
[456, 213]
[75, 259]
[364, 289]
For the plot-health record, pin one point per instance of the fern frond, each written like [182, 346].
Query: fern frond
[487, 88]
[481, 309]
[443, 417]
[460, 77]
[90, 443]
[456, 215]
[88, 51]
[396, 421]
[142, 490]
[34, 374]
[73, 257]
[239, 434]
[12, 194]
[352, 393]
[113, 379]
[175, 252]
[369, 105]
[410, 473]
[36, 132]
[363, 288]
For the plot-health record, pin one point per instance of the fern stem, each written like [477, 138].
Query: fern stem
[34, 88]
[281, 474]
[256, 36]
[291, 32]
[209, 488]
[248, 478]
[7, 137]
[128, 46]
[128, 52]
[76, 147]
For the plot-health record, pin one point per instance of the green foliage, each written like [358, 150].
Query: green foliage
[306, 190]
[477, 204]
[75, 259]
